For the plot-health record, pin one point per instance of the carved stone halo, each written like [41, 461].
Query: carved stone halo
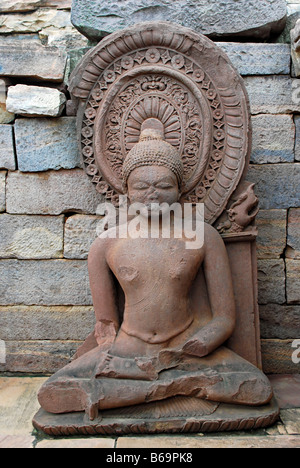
[170, 73]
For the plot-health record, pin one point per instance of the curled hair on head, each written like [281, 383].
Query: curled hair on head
[153, 150]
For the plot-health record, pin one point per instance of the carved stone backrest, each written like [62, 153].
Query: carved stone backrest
[170, 73]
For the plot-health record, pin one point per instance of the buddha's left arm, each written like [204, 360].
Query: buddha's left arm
[103, 293]
[220, 292]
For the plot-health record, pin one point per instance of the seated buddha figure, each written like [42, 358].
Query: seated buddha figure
[162, 347]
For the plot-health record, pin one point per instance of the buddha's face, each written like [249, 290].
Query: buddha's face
[153, 185]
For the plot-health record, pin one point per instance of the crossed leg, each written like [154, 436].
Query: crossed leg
[222, 377]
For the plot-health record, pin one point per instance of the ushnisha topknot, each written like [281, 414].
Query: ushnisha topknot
[153, 150]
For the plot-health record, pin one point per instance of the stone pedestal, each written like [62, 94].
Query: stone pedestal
[168, 417]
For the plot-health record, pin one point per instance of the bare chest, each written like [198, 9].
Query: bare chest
[140, 261]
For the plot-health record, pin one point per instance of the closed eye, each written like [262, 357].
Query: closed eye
[140, 187]
[164, 186]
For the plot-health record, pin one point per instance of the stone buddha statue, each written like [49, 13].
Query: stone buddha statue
[162, 347]
[164, 118]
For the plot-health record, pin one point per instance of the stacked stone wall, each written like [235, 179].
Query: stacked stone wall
[48, 205]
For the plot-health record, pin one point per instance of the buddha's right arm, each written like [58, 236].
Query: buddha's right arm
[103, 294]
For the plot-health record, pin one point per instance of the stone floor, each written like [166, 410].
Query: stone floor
[18, 404]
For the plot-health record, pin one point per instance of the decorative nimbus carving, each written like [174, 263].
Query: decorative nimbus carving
[154, 97]
[185, 81]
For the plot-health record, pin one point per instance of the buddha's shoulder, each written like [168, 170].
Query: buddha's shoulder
[102, 243]
[108, 239]
[211, 235]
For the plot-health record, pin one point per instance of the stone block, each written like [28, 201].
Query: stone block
[44, 144]
[35, 101]
[293, 14]
[16, 6]
[272, 226]
[52, 192]
[258, 59]
[34, 22]
[80, 233]
[277, 357]
[271, 281]
[279, 321]
[74, 57]
[273, 94]
[33, 323]
[71, 108]
[273, 139]
[245, 18]
[295, 50]
[28, 58]
[13, 6]
[58, 4]
[2, 191]
[293, 281]
[67, 38]
[31, 237]
[297, 144]
[7, 153]
[5, 116]
[293, 238]
[277, 185]
[44, 282]
[38, 357]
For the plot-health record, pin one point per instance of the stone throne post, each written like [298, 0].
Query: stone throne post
[170, 73]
